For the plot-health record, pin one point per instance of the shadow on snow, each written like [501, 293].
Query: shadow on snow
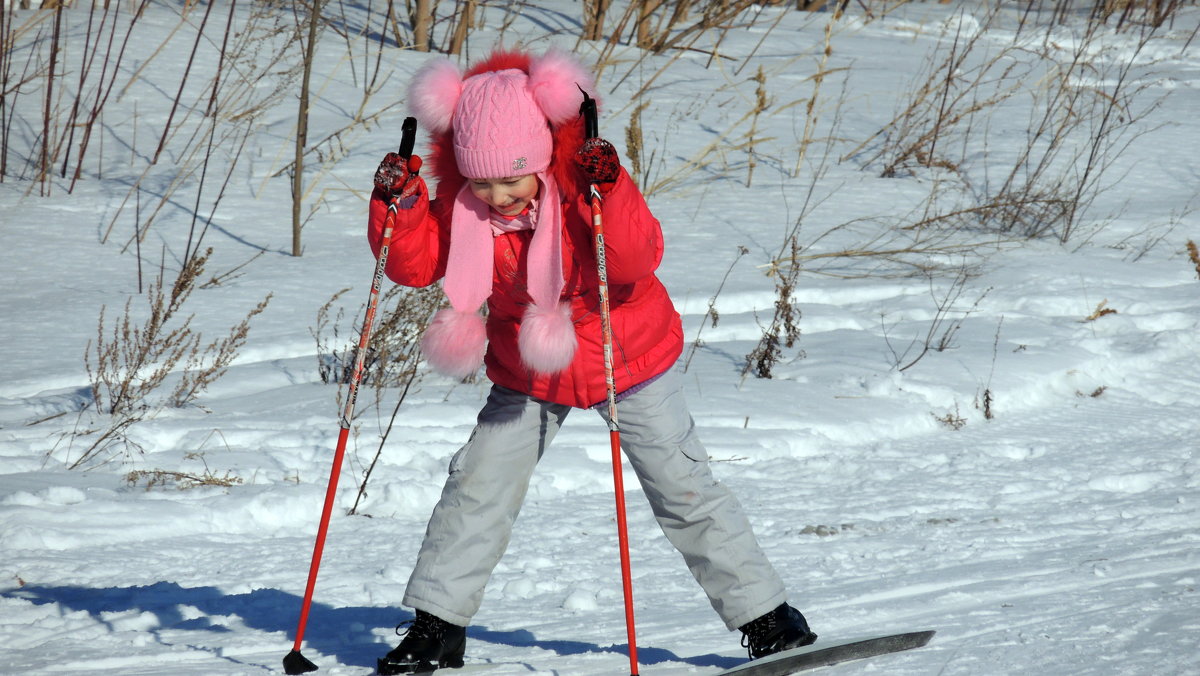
[345, 634]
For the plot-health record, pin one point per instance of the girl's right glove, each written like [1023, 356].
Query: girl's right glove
[598, 160]
[397, 177]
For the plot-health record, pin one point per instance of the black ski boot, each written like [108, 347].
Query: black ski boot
[429, 643]
[781, 629]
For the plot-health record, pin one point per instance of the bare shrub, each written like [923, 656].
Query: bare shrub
[162, 478]
[1085, 107]
[256, 74]
[183, 480]
[132, 360]
[1078, 129]
[952, 419]
[393, 354]
[784, 328]
[947, 319]
[959, 79]
[711, 313]
[137, 367]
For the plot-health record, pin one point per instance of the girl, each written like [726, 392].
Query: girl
[509, 226]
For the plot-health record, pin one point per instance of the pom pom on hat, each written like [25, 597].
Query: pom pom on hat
[434, 93]
[548, 93]
[555, 79]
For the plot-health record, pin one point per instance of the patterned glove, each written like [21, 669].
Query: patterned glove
[397, 177]
[598, 160]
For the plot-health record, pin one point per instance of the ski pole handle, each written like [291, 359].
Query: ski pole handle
[591, 126]
[408, 137]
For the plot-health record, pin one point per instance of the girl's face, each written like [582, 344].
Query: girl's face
[508, 196]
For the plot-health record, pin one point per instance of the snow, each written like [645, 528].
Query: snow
[1052, 530]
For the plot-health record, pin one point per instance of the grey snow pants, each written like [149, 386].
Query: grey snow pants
[489, 476]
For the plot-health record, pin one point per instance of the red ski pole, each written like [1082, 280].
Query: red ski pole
[588, 110]
[295, 662]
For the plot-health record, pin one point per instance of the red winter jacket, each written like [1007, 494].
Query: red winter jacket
[647, 333]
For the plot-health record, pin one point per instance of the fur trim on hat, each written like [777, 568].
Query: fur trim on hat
[455, 342]
[554, 81]
[547, 341]
[441, 163]
[434, 93]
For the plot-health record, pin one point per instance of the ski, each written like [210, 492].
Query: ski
[383, 668]
[819, 654]
[823, 654]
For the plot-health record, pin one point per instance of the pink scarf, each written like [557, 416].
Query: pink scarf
[456, 339]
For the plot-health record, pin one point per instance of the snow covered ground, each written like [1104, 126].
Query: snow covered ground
[1032, 491]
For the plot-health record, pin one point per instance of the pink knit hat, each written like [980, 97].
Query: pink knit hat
[501, 123]
[499, 130]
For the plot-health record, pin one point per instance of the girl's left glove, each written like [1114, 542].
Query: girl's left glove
[598, 160]
[397, 176]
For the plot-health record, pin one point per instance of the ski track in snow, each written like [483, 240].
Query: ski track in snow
[1058, 537]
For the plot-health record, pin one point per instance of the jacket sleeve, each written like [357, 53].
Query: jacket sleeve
[417, 252]
[633, 238]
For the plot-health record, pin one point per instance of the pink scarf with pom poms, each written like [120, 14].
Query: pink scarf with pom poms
[456, 339]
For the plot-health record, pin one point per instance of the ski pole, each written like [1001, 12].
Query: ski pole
[591, 130]
[294, 662]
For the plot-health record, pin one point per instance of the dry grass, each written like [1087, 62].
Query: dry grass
[183, 480]
[133, 358]
[1101, 310]
[952, 419]
[783, 331]
[162, 478]
[956, 84]
[635, 144]
[711, 314]
[392, 361]
[142, 363]
[1194, 256]
[741, 137]
[393, 353]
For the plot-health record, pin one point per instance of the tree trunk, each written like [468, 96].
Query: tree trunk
[463, 29]
[593, 18]
[422, 19]
[302, 126]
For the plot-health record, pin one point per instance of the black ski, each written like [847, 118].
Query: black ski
[823, 654]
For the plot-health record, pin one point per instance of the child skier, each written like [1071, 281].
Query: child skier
[509, 226]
